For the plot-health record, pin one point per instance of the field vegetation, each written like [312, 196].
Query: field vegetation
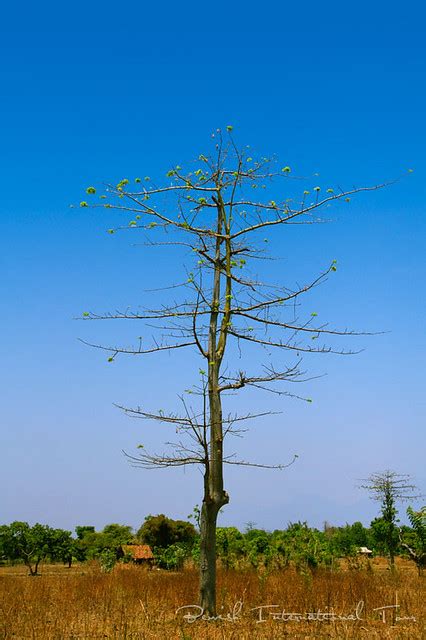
[298, 582]
[131, 602]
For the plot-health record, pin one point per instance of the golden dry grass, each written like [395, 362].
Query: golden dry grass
[133, 603]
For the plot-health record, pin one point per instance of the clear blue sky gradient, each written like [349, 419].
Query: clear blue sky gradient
[92, 92]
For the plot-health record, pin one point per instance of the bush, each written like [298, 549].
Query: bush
[162, 532]
[107, 560]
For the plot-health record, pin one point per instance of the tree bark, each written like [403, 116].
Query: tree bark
[209, 513]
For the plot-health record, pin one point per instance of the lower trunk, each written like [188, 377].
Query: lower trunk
[208, 522]
[33, 569]
[209, 513]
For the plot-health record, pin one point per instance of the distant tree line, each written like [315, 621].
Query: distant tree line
[175, 541]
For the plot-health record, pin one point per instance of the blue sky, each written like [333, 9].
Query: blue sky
[96, 92]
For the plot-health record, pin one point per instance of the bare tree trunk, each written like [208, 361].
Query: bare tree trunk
[214, 498]
[214, 495]
[208, 557]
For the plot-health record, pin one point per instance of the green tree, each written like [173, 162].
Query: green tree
[388, 487]
[256, 546]
[215, 211]
[171, 557]
[229, 545]
[161, 532]
[345, 541]
[118, 534]
[86, 534]
[306, 548]
[90, 544]
[62, 546]
[33, 544]
[415, 543]
[107, 560]
[81, 530]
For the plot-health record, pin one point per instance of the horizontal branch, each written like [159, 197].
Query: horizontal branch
[303, 211]
[147, 461]
[306, 328]
[291, 347]
[140, 351]
[161, 417]
[243, 463]
[282, 299]
[273, 376]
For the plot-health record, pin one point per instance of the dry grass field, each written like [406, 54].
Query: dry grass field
[133, 603]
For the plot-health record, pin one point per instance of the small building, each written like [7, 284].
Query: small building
[365, 551]
[139, 553]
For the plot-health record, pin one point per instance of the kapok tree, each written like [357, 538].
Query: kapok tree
[388, 488]
[214, 212]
